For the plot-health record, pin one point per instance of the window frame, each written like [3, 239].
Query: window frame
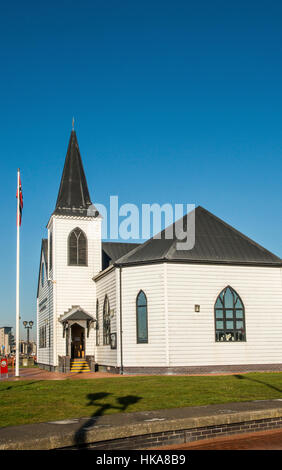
[138, 341]
[224, 318]
[43, 337]
[77, 249]
[106, 333]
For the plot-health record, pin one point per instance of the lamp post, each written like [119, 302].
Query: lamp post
[28, 326]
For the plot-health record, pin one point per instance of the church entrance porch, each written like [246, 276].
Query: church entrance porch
[76, 324]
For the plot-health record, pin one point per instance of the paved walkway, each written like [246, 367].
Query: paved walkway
[120, 426]
[35, 373]
[260, 440]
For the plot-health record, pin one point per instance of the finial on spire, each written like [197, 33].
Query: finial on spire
[73, 123]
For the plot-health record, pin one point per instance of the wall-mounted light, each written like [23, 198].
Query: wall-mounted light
[197, 308]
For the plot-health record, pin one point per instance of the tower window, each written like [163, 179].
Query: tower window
[77, 248]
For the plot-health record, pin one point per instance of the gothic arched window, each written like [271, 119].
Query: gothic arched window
[229, 315]
[77, 248]
[106, 322]
[141, 318]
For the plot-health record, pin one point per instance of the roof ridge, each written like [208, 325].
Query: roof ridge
[154, 237]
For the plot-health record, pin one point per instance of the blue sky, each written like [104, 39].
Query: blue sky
[174, 101]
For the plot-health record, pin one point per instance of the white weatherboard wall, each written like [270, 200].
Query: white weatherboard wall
[192, 335]
[106, 285]
[150, 279]
[45, 317]
[74, 284]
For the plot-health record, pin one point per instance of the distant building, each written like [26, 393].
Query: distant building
[26, 348]
[7, 342]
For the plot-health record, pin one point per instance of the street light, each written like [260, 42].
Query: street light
[28, 326]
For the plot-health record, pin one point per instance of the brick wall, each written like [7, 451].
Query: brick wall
[185, 435]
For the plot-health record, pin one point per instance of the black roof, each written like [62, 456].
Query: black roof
[44, 250]
[111, 251]
[77, 314]
[215, 242]
[73, 197]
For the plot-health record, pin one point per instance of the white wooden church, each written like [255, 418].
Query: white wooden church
[150, 308]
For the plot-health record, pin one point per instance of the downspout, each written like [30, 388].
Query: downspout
[120, 320]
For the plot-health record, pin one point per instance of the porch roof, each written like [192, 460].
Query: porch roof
[76, 313]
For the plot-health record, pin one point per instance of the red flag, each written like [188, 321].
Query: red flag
[20, 201]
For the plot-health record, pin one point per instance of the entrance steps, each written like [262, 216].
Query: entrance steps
[78, 366]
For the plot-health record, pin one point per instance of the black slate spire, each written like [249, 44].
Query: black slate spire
[73, 197]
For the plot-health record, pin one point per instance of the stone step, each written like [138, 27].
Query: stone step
[79, 365]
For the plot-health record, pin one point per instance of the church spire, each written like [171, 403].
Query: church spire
[73, 197]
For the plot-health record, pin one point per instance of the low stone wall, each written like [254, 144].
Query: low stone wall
[111, 369]
[91, 362]
[203, 369]
[64, 364]
[182, 436]
[48, 367]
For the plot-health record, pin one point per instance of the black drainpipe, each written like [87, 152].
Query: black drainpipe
[120, 322]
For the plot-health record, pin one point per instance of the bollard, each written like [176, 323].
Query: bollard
[4, 368]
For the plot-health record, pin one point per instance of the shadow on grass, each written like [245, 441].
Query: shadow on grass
[245, 377]
[6, 389]
[122, 404]
[10, 387]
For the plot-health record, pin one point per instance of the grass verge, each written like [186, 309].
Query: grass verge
[30, 401]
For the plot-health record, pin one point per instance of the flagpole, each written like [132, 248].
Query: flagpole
[18, 281]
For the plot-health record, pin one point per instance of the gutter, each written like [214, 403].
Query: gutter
[199, 262]
[120, 320]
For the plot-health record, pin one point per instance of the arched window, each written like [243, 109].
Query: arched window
[77, 248]
[229, 315]
[97, 324]
[141, 318]
[106, 322]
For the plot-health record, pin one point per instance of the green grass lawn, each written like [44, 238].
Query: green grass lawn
[38, 401]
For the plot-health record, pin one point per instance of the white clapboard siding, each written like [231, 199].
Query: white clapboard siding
[150, 279]
[74, 284]
[45, 317]
[106, 285]
[192, 335]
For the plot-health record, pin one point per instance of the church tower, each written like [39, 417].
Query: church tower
[72, 257]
